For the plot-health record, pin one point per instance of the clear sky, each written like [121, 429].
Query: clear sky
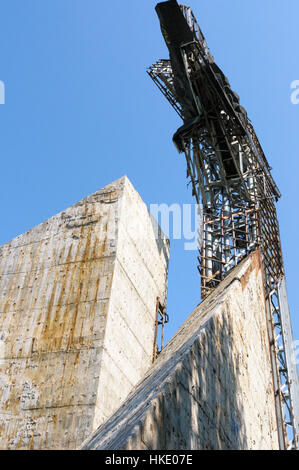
[80, 111]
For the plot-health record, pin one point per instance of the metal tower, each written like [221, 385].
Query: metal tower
[231, 178]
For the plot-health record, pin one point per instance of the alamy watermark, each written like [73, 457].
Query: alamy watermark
[179, 222]
[295, 93]
[295, 358]
[2, 92]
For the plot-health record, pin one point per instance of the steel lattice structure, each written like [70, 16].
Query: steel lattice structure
[232, 181]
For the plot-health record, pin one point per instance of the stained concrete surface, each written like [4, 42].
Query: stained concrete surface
[77, 312]
[211, 387]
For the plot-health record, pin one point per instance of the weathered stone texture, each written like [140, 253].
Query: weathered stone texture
[77, 311]
[211, 388]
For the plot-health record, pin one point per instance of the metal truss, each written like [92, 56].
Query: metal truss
[231, 178]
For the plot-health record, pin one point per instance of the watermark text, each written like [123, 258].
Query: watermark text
[295, 93]
[2, 92]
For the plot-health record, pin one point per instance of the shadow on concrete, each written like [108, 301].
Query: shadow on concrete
[190, 397]
[203, 412]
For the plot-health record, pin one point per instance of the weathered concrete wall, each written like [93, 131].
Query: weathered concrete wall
[140, 276]
[74, 293]
[211, 388]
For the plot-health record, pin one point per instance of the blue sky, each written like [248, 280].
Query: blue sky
[80, 111]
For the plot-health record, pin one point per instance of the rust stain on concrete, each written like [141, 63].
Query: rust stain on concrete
[57, 283]
[255, 265]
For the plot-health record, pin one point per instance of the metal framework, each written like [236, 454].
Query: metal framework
[231, 178]
[161, 319]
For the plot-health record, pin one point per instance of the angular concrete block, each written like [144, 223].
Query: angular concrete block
[77, 314]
